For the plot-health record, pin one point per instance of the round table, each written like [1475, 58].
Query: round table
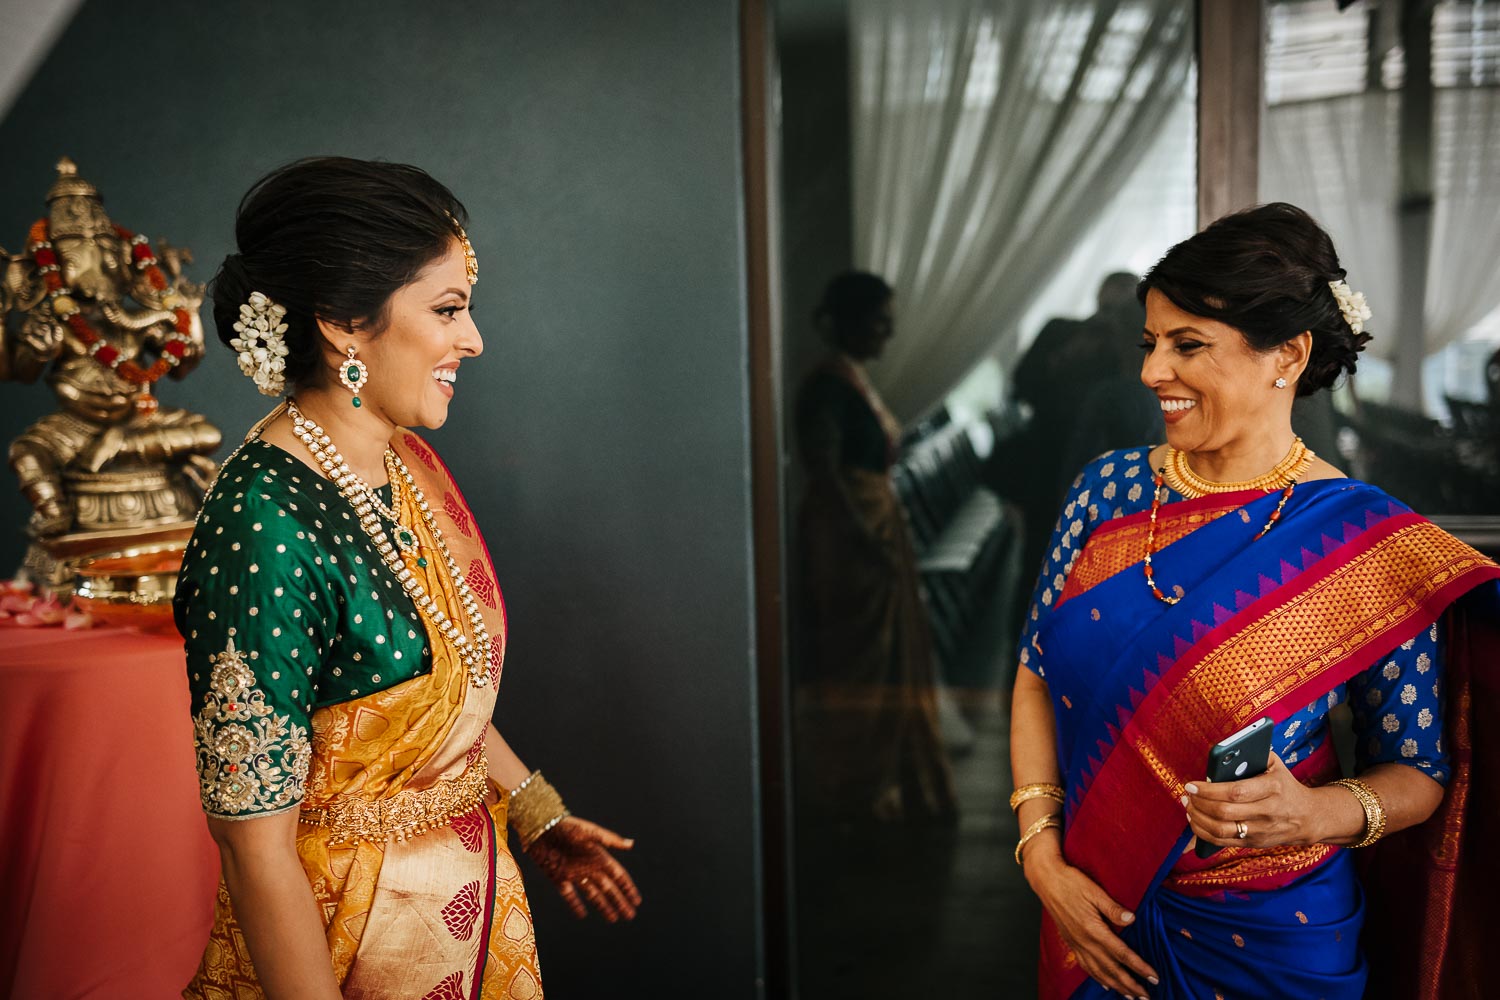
[107, 871]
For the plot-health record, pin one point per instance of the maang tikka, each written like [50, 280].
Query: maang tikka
[354, 376]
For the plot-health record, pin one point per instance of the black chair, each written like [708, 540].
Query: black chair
[966, 537]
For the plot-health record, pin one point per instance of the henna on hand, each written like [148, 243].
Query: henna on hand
[576, 856]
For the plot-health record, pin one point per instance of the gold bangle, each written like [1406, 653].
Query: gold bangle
[1369, 800]
[535, 808]
[1037, 790]
[1052, 821]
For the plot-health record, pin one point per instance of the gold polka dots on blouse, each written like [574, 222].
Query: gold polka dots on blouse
[284, 606]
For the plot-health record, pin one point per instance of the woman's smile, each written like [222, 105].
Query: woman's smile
[1174, 408]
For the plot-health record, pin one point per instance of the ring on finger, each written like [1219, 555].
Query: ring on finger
[1240, 829]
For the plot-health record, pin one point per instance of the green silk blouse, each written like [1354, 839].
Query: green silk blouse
[284, 606]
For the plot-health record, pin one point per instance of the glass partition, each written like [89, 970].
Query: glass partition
[968, 191]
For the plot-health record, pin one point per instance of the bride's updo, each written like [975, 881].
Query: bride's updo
[331, 237]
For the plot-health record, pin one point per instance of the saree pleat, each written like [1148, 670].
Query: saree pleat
[1265, 944]
[1141, 690]
[869, 712]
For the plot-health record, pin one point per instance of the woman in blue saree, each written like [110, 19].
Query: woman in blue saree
[1229, 575]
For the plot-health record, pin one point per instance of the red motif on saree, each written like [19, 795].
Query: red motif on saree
[462, 911]
[457, 514]
[480, 583]
[449, 989]
[497, 657]
[470, 830]
[419, 450]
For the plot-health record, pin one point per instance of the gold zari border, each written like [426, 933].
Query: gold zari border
[1340, 614]
[1124, 545]
[405, 814]
[1292, 644]
[1250, 867]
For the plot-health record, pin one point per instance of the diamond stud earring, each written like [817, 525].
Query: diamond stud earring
[1280, 383]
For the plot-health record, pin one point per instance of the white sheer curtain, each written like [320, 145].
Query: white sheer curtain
[1338, 158]
[1154, 208]
[987, 136]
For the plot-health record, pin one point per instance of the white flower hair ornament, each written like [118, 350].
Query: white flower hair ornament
[1352, 304]
[262, 343]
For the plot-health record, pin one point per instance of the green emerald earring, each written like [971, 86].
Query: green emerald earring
[354, 376]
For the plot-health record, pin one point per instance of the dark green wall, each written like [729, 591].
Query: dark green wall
[602, 439]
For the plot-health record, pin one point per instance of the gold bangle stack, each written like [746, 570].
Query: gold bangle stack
[1374, 810]
[1037, 790]
[1052, 821]
[535, 808]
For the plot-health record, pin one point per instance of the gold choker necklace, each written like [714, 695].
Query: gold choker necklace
[1180, 476]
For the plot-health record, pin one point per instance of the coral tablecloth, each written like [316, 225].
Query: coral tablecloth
[107, 871]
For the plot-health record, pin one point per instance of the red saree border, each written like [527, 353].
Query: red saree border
[488, 914]
[1220, 682]
[1269, 868]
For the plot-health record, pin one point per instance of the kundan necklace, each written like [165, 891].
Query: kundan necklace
[474, 652]
[1176, 472]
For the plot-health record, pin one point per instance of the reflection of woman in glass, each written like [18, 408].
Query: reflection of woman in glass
[1193, 588]
[345, 631]
[871, 731]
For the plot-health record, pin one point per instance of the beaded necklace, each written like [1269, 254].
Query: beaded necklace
[1176, 472]
[367, 505]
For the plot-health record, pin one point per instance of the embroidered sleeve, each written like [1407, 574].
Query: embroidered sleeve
[256, 610]
[251, 759]
[1398, 707]
[1090, 502]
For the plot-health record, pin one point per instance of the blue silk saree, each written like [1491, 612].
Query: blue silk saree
[1271, 627]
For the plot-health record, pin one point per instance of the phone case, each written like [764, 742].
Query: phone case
[1235, 760]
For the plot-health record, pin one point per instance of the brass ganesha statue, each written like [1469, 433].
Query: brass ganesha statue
[101, 316]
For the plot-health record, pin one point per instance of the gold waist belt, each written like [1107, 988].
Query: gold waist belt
[405, 814]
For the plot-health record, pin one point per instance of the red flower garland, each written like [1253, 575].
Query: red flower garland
[65, 308]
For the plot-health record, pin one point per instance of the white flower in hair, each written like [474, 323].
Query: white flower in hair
[262, 343]
[1352, 304]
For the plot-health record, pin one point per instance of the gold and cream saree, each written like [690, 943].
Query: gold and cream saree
[410, 866]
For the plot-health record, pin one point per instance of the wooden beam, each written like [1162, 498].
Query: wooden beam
[1231, 45]
[758, 142]
[1414, 204]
